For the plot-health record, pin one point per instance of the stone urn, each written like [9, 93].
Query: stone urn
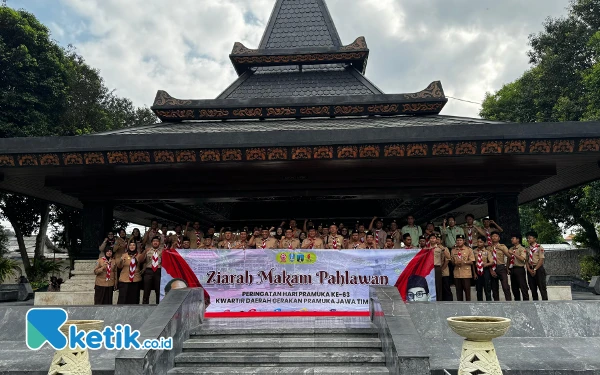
[478, 354]
[74, 361]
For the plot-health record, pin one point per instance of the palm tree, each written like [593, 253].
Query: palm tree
[7, 268]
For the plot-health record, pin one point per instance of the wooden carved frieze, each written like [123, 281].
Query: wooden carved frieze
[187, 156]
[49, 159]
[347, 152]
[248, 112]
[285, 59]
[396, 150]
[7, 161]
[515, 147]
[434, 90]
[139, 156]
[359, 44]
[281, 111]
[209, 155]
[421, 107]
[256, 154]
[301, 153]
[563, 145]
[537, 147]
[27, 160]
[164, 156]
[369, 151]
[315, 110]
[385, 108]
[494, 147]
[416, 149]
[93, 158]
[163, 98]
[466, 148]
[323, 152]
[176, 113]
[117, 157]
[344, 110]
[213, 113]
[232, 154]
[589, 144]
[444, 148]
[278, 153]
[72, 159]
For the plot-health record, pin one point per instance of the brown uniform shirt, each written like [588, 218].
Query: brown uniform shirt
[437, 256]
[317, 244]
[462, 270]
[174, 241]
[520, 251]
[227, 244]
[120, 248]
[355, 245]
[446, 254]
[329, 242]
[537, 255]
[380, 236]
[270, 243]
[124, 264]
[500, 256]
[194, 236]
[294, 243]
[473, 233]
[149, 254]
[371, 247]
[241, 244]
[397, 236]
[100, 272]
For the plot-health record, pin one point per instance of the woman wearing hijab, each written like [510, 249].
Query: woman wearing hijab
[131, 264]
[106, 274]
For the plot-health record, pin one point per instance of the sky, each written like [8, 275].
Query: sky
[182, 47]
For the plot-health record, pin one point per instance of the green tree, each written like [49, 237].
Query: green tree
[46, 90]
[562, 85]
[532, 219]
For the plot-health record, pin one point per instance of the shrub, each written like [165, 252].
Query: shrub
[590, 266]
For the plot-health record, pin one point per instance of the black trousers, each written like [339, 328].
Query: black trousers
[463, 286]
[438, 283]
[484, 284]
[518, 283]
[538, 282]
[129, 294]
[502, 277]
[446, 291]
[151, 283]
[103, 295]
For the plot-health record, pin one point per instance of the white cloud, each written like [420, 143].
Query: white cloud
[182, 47]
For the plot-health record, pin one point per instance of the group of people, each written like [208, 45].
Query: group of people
[128, 264]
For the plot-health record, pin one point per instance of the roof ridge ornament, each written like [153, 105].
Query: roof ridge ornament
[359, 44]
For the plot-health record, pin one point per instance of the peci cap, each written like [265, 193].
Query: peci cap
[460, 236]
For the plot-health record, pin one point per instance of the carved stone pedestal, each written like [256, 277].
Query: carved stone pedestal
[478, 355]
[74, 361]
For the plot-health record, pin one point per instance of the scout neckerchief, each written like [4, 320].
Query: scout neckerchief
[377, 237]
[479, 262]
[105, 259]
[494, 255]
[489, 237]
[264, 244]
[179, 241]
[290, 242]
[512, 260]
[334, 244]
[132, 268]
[154, 260]
[532, 250]
[312, 242]
[470, 235]
[355, 246]
[229, 246]
[370, 247]
[111, 243]
[198, 243]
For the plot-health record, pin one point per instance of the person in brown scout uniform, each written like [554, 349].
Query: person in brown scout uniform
[106, 274]
[487, 229]
[177, 237]
[370, 243]
[438, 261]
[497, 256]
[535, 264]
[362, 235]
[151, 233]
[334, 241]
[228, 240]
[208, 244]
[516, 268]
[186, 244]
[407, 240]
[152, 270]
[389, 243]
[289, 241]
[108, 243]
[481, 267]
[470, 231]
[242, 242]
[294, 226]
[422, 242]
[195, 235]
[354, 242]
[312, 241]
[265, 241]
[462, 258]
[396, 234]
[129, 283]
[446, 291]
[429, 230]
[378, 232]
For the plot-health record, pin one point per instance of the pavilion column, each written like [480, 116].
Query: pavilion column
[504, 210]
[97, 221]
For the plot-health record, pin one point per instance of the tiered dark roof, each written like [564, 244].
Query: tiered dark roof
[300, 69]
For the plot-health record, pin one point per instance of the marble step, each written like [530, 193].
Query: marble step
[328, 370]
[255, 344]
[300, 359]
[297, 331]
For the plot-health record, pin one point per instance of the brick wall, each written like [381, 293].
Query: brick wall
[565, 262]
